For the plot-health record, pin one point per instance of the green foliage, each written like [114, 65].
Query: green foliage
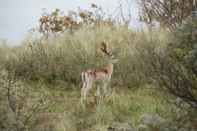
[122, 106]
[173, 67]
[62, 59]
[19, 104]
[186, 45]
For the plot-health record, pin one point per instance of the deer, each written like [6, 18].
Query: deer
[102, 75]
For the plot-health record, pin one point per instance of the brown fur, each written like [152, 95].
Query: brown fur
[103, 74]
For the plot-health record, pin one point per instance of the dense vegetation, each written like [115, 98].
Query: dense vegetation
[153, 88]
[169, 13]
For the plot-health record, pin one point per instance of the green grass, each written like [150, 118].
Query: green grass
[123, 105]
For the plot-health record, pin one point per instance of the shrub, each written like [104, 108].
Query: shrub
[174, 68]
[63, 58]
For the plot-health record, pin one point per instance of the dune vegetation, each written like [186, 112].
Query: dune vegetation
[153, 86]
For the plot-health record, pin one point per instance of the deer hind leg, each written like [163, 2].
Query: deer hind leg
[98, 94]
[87, 84]
[84, 85]
[106, 87]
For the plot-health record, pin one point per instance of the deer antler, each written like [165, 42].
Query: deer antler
[105, 48]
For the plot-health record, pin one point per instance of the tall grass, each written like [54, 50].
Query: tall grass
[61, 59]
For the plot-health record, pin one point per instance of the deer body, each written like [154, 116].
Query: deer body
[102, 75]
[91, 76]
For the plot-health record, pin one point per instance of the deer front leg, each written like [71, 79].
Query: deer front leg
[106, 86]
[84, 79]
[98, 94]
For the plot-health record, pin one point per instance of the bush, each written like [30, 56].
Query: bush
[174, 67]
[63, 58]
[19, 104]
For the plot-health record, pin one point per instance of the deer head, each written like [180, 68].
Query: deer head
[107, 50]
